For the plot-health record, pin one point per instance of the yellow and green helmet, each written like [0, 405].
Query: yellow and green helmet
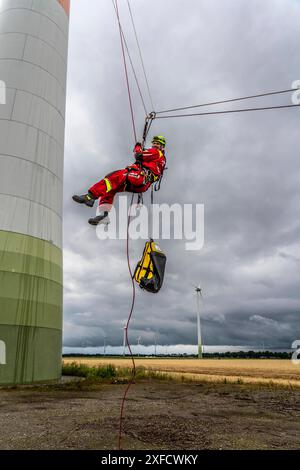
[159, 139]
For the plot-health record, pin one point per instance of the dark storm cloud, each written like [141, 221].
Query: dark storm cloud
[244, 168]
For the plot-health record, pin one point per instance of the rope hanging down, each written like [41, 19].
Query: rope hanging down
[131, 62]
[133, 371]
[126, 72]
[140, 53]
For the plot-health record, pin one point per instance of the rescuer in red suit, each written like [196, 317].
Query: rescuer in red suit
[136, 178]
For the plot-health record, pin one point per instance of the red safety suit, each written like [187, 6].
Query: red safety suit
[136, 178]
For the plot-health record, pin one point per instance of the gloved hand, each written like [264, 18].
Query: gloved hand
[138, 151]
[138, 147]
[138, 157]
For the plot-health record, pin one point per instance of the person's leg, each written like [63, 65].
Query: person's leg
[87, 199]
[105, 188]
[132, 179]
[112, 181]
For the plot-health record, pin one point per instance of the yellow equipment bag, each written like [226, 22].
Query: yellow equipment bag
[149, 273]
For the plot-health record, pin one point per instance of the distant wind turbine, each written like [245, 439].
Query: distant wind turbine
[139, 343]
[104, 345]
[199, 299]
[124, 340]
[155, 343]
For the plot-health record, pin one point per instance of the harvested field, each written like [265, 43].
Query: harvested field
[265, 371]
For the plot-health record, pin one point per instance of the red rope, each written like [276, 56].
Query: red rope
[126, 73]
[132, 66]
[133, 372]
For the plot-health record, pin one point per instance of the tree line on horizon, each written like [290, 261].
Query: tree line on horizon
[217, 355]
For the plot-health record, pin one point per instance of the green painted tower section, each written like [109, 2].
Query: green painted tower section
[33, 68]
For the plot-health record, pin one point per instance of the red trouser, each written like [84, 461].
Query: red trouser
[133, 179]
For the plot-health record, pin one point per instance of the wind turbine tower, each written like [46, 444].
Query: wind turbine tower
[139, 343]
[155, 345]
[124, 340]
[199, 301]
[104, 345]
[33, 81]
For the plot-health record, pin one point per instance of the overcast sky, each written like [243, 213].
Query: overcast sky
[243, 167]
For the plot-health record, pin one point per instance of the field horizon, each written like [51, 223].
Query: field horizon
[275, 371]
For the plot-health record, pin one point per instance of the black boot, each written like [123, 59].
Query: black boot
[87, 199]
[100, 219]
